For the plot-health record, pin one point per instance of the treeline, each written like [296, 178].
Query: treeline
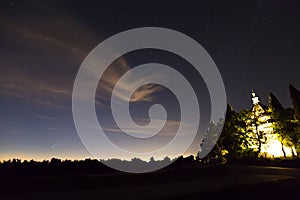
[16, 167]
[240, 133]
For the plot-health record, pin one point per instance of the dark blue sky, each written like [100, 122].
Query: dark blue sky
[255, 45]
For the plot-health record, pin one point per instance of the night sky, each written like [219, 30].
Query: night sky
[255, 45]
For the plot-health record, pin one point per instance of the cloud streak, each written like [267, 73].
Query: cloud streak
[170, 128]
[37, 90]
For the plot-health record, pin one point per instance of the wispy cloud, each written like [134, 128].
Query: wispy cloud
[38, 90]
[46, 117]
[170, 128]
[145, 93]
[33, 76]
[112, 75]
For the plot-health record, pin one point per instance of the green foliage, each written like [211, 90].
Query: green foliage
[281, 122]
[241, 138]
[230, 145]
[256, 136]
[234, 134]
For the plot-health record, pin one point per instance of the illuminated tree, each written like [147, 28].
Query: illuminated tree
[244, 130]
[258, 125]
[281, 122]
[233, 135]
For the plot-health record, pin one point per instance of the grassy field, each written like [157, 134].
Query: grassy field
[211, 182]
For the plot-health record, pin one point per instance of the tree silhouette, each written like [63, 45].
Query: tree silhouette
[212, 144]
[295, 125]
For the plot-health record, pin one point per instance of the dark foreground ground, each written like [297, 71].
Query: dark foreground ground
[211, 182]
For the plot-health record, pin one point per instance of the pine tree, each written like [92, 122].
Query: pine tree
[295, 126]
[233, 134]
[295, 97]
[281, 122]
